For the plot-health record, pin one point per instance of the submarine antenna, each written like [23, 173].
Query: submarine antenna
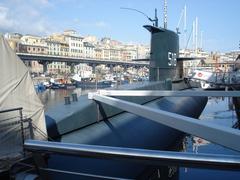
[165, 14]
[155, 20]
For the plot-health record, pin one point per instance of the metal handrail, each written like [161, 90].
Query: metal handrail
[136, 155]
[16, 120]
[12, 109]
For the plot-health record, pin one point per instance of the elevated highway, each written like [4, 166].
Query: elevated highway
[76, 60]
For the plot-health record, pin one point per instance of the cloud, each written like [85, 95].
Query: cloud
[101, 24]
[97, 24]
[5, 23]
[32, 17]
[25, 16]
[44, 2]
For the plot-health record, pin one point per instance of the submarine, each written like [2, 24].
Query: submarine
[92, 123]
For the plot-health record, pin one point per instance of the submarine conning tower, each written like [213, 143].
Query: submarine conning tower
[163, 54]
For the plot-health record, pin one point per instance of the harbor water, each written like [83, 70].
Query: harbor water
[218, 110]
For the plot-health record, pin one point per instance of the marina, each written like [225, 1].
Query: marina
[73, 107]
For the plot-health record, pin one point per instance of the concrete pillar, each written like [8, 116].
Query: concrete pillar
[45, 68]
[125, 67]
[94, 68]
[72, 67]
[111, 68]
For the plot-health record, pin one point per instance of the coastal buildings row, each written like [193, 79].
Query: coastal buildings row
[70, 44]
[214, 61]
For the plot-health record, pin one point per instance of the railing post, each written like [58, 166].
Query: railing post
[21, 122]
[30, 126]
[22, 128]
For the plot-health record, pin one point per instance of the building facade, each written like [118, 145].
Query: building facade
[88, 50]
[71, 44]
[75, 43]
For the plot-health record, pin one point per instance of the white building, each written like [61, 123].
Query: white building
[143, 51]
[129, 52]
[91, 39]
[88, 50]
[75, 43]
[83, 70]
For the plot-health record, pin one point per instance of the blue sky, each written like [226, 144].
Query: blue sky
[218, 19]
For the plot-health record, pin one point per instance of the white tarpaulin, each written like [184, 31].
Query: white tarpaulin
[16, 90]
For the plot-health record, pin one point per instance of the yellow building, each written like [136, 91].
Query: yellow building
[56, 47]
[98, 53]
[128, 53]
[115, 53]
[14, 39]
[33, 40]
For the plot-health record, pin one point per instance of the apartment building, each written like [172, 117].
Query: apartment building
[106, 53]
[115, 53]
[33, 44]
[98, 52]
[70, 43]
[75, 43]
[88, 50]
[129, 52]
[57, 48]
[14, 40]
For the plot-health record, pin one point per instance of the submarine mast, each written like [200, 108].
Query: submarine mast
[165, 14]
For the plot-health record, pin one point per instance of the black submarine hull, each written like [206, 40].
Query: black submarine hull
[126, 130]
